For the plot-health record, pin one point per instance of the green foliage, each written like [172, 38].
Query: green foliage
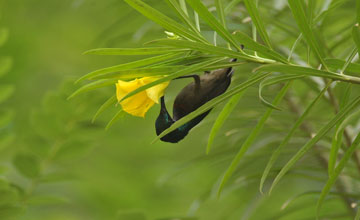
[301, 54]
[308, 18]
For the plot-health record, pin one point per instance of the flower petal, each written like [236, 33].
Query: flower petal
[136, 105]
[155, 92]
[123, 87]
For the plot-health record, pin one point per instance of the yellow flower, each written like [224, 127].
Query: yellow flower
[140, 103]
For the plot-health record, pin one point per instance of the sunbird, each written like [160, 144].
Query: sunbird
[191, 97]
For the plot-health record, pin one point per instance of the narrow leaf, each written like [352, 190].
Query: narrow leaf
[300, 18]
[220, 11]
[111, 101]
[356, 36]
[299, 70]
[322, 132]
[182, 14]
[130, 65]
[140, 72]
[133, 51]
[337, 64]
[338, 134]
[253, 45]
[272, 81]
[251, 138]
[92, 86]
[344, 160]
[333, 6]
[275, 155]
[255, 18]
[231, 5]
[161, 19]
[210, 19]
[220, 120]
[116, 117]
[211, 50]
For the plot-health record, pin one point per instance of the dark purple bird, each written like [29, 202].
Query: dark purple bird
[191, 97]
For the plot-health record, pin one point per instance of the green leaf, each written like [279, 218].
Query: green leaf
[220, 11]
[185, 60]
[210, 19]
[349, 60]
[300, 18]
[5, 92]
[116, 117]
[5, 65]
[92, 86]
[111, 101]
[298, 39]
[212, 50]
[133, 51]
[220, 120]
[166, 22]
[4, 34]
[253, 45]
[255, 17]
[344, 160]
[299, 70]
[140, 72]
[212, 103]
[337, 64]
[231, 5]
[251, 138]
[181, 72]
[338, 134]
[352, 117]
[272, 81]
[296, 197]
[130, 65]
[356, 36]
[320, 134]
[27, 165]
[276, 153]
[334, 5]
[183, 6]
[182, 14]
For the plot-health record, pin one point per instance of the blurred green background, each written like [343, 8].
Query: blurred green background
[118, 173]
